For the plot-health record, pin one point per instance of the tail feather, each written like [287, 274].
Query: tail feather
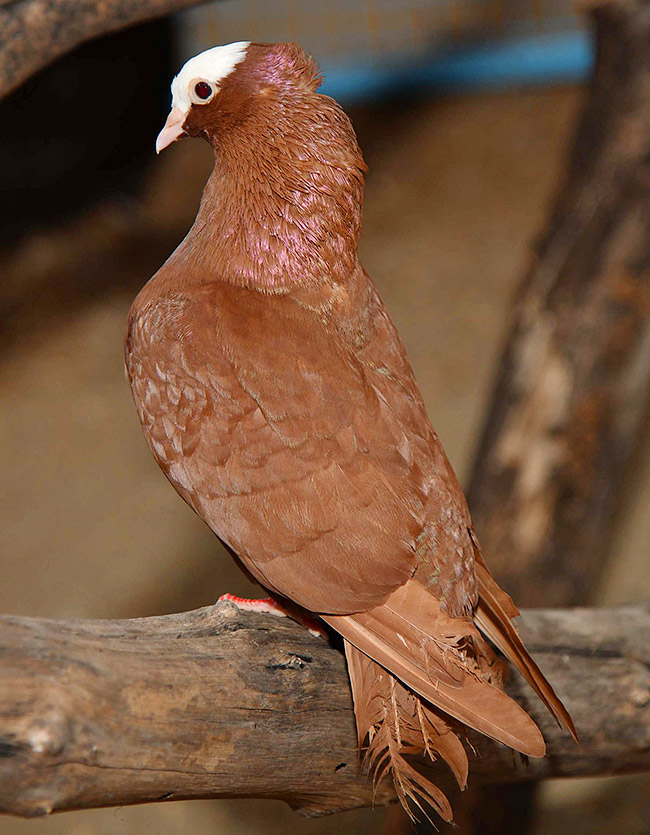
[493, 617]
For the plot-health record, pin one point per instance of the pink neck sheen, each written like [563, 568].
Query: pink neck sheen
[283, 204]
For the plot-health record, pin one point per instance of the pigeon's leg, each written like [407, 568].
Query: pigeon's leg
[269, 606]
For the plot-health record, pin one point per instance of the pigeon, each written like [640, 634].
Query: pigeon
[276, 396]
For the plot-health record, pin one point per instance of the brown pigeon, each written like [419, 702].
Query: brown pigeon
[276, 396]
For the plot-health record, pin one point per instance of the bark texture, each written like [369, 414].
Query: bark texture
[219, 703]
[33, 33]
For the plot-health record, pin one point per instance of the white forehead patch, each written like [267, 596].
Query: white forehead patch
[212, 66]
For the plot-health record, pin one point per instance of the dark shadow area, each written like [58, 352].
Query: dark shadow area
[81, 128]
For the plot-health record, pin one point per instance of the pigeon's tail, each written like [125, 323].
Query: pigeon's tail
[393, 722]
[414, 670]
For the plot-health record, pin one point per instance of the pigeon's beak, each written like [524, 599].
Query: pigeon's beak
[172, 130]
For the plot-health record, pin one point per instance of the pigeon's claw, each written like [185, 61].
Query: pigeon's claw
[269, 606]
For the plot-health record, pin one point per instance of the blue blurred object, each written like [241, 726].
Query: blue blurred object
[539, 59]
[371, 49]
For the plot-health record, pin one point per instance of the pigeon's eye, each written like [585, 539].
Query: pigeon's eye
[203, 91]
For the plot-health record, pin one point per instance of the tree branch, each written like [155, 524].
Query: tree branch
[218, 703]
[570, 405]
[573, 392]
[33, 33]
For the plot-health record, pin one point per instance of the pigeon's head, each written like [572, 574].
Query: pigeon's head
[226, 85]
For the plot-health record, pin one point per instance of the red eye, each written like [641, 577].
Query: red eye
[203, 90]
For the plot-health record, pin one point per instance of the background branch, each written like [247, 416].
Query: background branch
[569, 408]
[218, 703]
[35, 32]
[571, 402]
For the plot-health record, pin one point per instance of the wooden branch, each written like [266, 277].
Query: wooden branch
[573, 391]
[218, 703]
[33, 33]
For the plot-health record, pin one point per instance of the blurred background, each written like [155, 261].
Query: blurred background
[464, 110]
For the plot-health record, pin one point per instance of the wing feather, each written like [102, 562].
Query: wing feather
[493, 617]
[267, 425]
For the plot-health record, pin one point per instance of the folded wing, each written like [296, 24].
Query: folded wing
[444, 660]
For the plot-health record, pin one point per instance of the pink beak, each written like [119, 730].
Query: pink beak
[172, 130]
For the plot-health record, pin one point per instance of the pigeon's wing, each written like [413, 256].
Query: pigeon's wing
[493, 616]
[307, 449]
[268, 423]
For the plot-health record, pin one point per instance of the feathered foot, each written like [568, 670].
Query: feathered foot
[394, 723]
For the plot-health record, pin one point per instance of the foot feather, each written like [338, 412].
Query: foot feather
[393, 722]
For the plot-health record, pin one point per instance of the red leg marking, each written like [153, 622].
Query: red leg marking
[269, 606]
